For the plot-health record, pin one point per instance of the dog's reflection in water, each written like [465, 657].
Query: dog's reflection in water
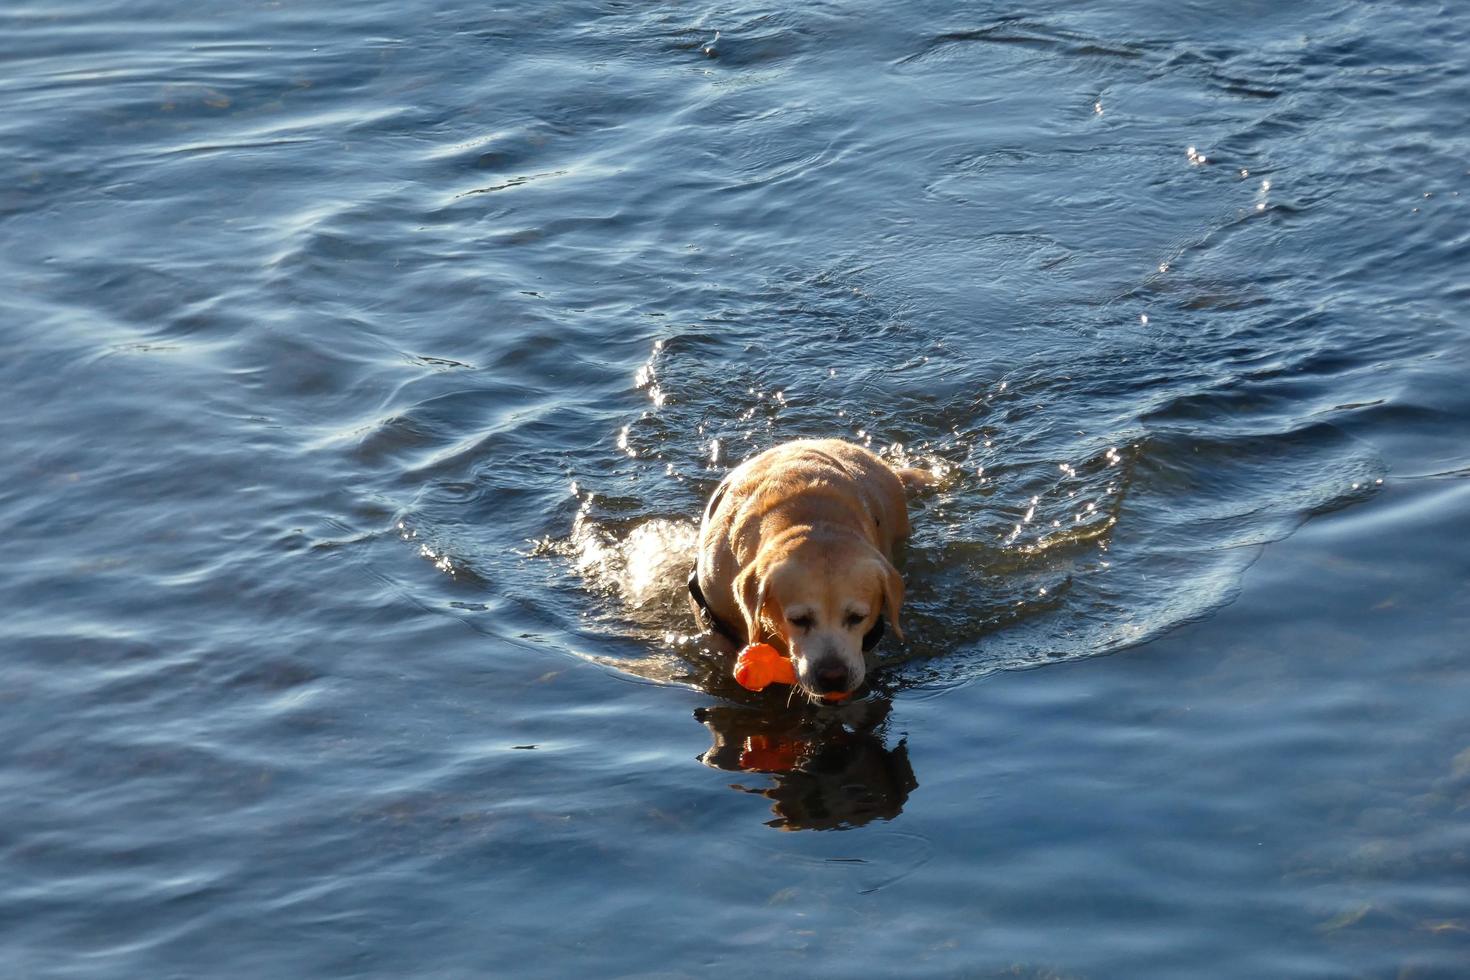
[830, 767]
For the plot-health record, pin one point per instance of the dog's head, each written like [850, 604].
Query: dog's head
[820, 595]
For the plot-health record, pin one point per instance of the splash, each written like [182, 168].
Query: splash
[643, 568]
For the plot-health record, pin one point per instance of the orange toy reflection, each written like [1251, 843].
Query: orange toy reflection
[827, 772]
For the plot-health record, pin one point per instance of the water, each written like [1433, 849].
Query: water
[367, 365]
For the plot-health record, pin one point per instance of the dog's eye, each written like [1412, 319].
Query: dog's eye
[853, 619]
[802, 622]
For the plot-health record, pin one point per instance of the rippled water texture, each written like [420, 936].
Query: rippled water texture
[367, 366]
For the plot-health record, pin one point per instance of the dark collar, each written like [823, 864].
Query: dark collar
[714, 624]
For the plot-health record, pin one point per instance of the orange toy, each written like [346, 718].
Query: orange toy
[761, 664]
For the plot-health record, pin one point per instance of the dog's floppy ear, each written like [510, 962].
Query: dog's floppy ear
[750, 594]
[892, 596]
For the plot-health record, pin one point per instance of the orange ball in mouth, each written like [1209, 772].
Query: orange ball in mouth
[760, 665]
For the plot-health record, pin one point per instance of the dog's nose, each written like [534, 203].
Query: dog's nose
[831, 676]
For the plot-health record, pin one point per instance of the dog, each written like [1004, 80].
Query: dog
[796, 550]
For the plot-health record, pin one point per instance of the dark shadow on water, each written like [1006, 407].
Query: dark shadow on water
[830, 767]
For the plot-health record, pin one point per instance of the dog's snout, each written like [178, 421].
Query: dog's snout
[831, 676]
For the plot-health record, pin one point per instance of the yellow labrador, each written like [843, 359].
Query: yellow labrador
[795, 549]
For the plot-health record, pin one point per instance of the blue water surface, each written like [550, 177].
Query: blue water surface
[366, 366]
